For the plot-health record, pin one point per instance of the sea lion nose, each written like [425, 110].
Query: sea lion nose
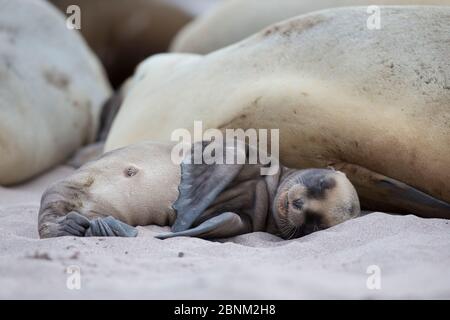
[312, 219]
[312, 223]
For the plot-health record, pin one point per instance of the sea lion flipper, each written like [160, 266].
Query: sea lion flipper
[379, 192]
[73, 224]
[201, 184]
[110, 227]
[224, 225]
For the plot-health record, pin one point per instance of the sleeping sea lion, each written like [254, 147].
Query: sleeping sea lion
[371, 103]
[234, 20]
[141, 185]
[123, 33]
[52, 88]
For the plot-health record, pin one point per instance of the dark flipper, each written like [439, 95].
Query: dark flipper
[200, 185]
[73, 224]
[224, 225]
[378, 192]
[110, 227]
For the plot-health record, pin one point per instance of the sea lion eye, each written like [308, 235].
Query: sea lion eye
[131, 171]
[298, 204]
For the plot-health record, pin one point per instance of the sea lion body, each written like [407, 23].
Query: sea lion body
[123, 33]
[137, 185]
[234, 20]
[52, 88]
[141, 185]
[372, 103]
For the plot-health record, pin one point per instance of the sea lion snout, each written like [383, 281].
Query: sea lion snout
[312, 200]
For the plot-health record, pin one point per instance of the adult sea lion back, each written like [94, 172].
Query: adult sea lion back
[234, 20]
[372, 103]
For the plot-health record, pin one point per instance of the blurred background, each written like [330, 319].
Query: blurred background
[124, 32]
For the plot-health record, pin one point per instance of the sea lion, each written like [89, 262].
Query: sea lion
[234, 20]
[52, 88]
[123, 33]
[141, 185]
[371, 103]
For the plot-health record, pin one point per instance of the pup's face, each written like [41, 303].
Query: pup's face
[314, 199]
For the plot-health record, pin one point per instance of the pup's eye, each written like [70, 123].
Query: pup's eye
[298, 204]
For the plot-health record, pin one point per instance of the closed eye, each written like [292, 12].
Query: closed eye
[298, 204]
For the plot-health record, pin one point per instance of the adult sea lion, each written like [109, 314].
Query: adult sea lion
[371, 103]
[123, 33]
[235, 20]
[141, 185]
[52, 88]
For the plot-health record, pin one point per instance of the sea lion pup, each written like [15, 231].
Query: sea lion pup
[234, 20]
[141, 185]
[371, 103]
[123, 33]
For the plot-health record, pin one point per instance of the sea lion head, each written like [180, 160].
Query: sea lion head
[314, 199]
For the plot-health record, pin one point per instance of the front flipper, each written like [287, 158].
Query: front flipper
[378, 192]
[110, 227]
[77, 225]
[227, 224]
[202, 183]
[73, 224]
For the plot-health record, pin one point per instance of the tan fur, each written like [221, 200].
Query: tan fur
[332, 209]
[105, 187]
[235, 20]
[340, 93]
[123, 33]
[52, 88]
[332, 206]
[139, 185]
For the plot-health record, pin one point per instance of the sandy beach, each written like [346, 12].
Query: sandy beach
[412, 254]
